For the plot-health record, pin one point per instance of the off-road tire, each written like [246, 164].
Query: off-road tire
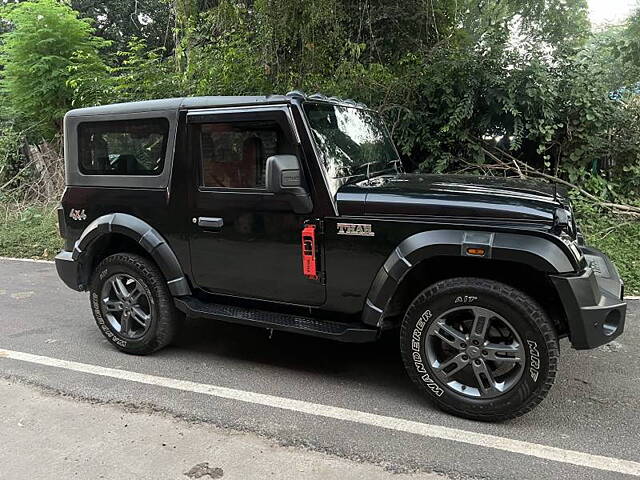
[527, 317]
[165, 318]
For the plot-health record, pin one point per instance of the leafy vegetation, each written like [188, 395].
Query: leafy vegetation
[37, 57]
[29, 232]
[618, 237]
[446, 74]
[120, 21]
[457, 81]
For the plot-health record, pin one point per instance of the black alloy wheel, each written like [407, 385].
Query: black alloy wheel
[132, 304]
[475, 352]
[479, 349]
[126, 305]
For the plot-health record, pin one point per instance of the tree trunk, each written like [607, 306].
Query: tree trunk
[48, 178]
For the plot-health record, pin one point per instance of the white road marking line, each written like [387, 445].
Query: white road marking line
[31, 260]
[391, 423]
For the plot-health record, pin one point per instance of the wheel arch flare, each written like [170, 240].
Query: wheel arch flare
[144, 235]
[537, 252]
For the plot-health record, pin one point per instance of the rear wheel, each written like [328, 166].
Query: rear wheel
[132, 304]
[479, 348]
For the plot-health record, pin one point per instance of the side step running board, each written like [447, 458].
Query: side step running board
[344, 332]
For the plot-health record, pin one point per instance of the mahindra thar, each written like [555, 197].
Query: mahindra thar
[293, 212]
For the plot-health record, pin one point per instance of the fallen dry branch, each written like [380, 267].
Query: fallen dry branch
[607, 231]
[523, 170]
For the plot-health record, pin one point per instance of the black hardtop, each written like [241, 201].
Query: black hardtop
[194, 103]
[182, 103]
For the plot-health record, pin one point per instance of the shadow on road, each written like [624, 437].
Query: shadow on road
[376, 363]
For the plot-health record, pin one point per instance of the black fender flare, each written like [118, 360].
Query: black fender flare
[538, 252]
[142, 233]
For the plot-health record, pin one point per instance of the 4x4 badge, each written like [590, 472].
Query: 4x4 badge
[78, 214]
[360, 229]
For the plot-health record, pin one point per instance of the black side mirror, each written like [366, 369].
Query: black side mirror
[284, 177]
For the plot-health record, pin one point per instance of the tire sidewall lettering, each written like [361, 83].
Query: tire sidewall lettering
[95, 302]
[525, 315]
[416, 347]
[534, 349]
[465, 299]
[99, 317]
[164, 317]
[534, 359]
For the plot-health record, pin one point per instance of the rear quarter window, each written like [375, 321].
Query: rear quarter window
[123, 147]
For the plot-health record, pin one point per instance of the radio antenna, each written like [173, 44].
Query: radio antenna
[555, 175]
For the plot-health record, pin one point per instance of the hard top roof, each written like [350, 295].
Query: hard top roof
[176, 104]
[165, 104]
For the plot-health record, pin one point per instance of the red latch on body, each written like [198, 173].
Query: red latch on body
[309, 252]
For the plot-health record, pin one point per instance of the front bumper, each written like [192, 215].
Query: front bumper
[68, 270]
[593, 301]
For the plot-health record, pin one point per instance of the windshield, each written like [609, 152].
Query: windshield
[353, 143]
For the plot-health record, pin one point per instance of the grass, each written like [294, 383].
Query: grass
[618, 237]
[32, 232]
[29, 232]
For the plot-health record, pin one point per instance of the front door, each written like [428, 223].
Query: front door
[245, 241]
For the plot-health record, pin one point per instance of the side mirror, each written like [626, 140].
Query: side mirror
[284, 177]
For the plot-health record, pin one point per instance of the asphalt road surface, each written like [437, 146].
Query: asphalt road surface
[48, 436]
[353, 401]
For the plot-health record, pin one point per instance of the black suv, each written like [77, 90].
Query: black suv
[293, 213]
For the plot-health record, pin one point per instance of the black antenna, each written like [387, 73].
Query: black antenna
[555, 183]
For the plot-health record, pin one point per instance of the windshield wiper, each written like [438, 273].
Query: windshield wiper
[391, 165]
[348, 179]
[397, 164]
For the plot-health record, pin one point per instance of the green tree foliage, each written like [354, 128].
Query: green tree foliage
[120, 21]
[10, 143]
[143, 74]
[447, 75]
[37, 54]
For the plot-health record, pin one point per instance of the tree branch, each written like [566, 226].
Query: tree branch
[519, 165]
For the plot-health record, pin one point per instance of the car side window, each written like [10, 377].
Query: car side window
[234, 154]
[123, 147]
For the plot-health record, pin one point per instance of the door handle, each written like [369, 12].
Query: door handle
[210, 223]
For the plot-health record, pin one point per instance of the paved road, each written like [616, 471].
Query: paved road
[52, 437]
[593, 407]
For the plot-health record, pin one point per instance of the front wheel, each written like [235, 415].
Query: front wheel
[479, 349]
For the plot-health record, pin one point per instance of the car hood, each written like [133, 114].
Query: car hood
[458, 196]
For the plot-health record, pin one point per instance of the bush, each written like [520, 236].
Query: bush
[37, 55]
[618, 237]
[10, 158]
[29, 231]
